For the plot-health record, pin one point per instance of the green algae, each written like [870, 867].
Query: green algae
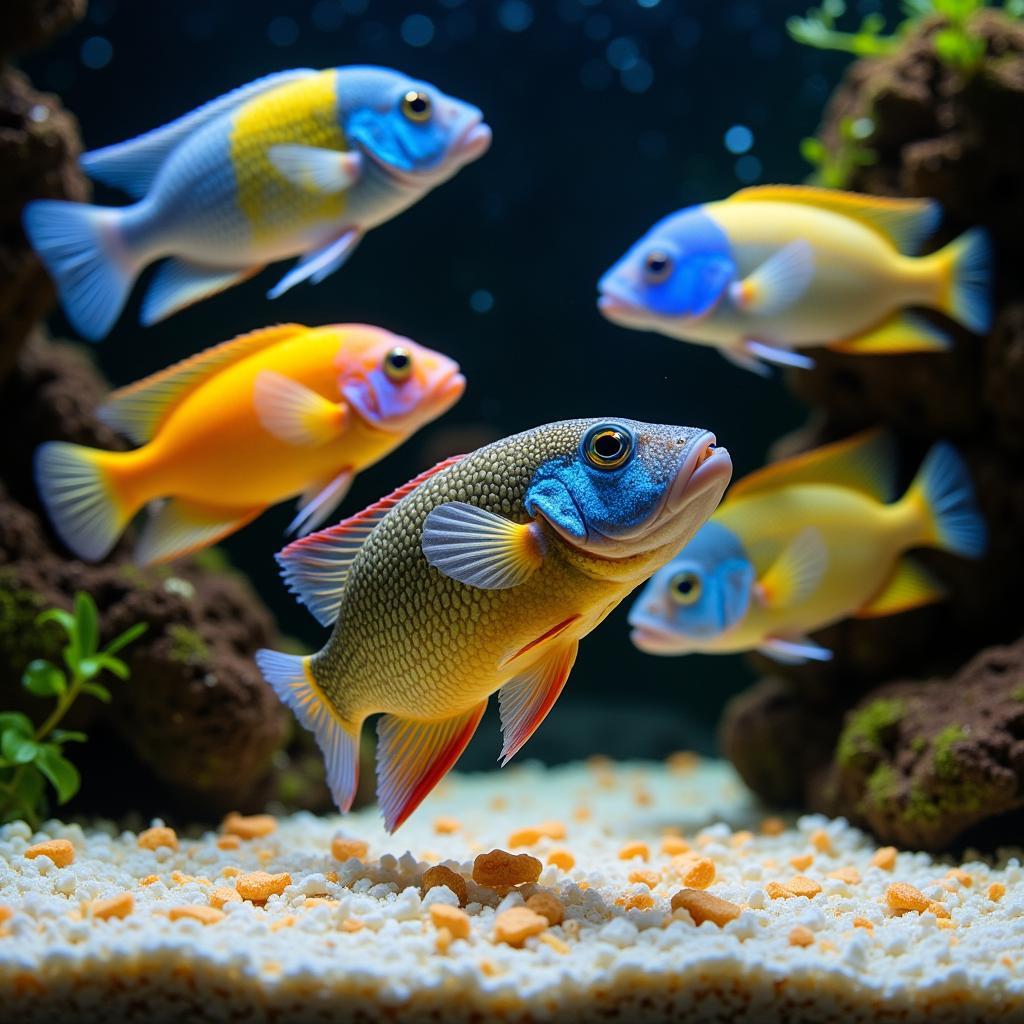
[187, 645]
[865, 729]
[943, 758]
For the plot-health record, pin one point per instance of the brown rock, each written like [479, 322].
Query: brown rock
[28, 24]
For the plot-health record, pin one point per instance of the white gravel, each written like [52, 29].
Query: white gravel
[365, 947]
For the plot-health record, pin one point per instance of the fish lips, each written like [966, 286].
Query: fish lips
[443, 392]
[651, 637]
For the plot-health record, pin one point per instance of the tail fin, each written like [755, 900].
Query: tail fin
[944, 490]
[75, 485]
[291, 678]
[967, 297]
[78, 243]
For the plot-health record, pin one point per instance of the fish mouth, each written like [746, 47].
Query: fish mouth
[448, 390]
[706, 466]
[472, 142]
[652, 639]
[622, 311]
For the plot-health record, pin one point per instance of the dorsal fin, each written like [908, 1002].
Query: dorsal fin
[865, 463]
[315, 567]
[131, 166]
[906, 223]
[139, 409]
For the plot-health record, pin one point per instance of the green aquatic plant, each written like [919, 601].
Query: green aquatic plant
[833, 167]
[32, 755]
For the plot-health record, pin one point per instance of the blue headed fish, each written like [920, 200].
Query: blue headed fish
[778, 268]
[482, 575]
[804, 543]
[300, 163]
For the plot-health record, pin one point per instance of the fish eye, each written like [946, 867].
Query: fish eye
[398, 364]
[416, 106]
[657, 266]
[607, 446]
[684, 588]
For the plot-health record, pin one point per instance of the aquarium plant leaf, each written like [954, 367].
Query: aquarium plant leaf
[16, 747]
[115, 666]
[64, 619]
[122, 641]
[17, 721]
[43, 679]
[97, 690]
[67, 736]
[62, 774]
[87, 618]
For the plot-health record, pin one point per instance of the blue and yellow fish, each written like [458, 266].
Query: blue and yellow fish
[300, 163]
[804, 543]
[778, 268]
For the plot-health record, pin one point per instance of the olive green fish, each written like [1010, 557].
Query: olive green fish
[482, 575]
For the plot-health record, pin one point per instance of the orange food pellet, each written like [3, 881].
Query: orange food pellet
[996, 891]
[703, 906]
[283, 922]
[443, 940]
[643, 798]
[445, 826]
[259, 886]
[772, 826]
[221, 895]
[799, 885]
[502, 869]
[439, 875]
[516, 925]
[863, 922]
[352, 924]
[554, 942]
[682, 761]
[230, 871]
[945, 922]
[849, 875]
[581, 813]
[202, 914]
[562, 858]
[901, 896]
[228, 842]
[120, 905]
[157, 836]
[740, 838]
[802, 861]
[251, 826]
[548, 905]
[497, 803]
[777, 891]
[672, 845]
[938, 909]
[456, 921]
[700, 875]
[319, 901]
[344, 849]
[821, 841]
[884, 857]
[801, 936]
[634, 849]
[60, 851]
[6, 913]
[149, 879]
[331, 876]
[533, 835]
[644, 877]
[961, 876]
[636, 901]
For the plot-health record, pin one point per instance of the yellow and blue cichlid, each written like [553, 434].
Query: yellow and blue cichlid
[482, 575]
[285, 411]
[300, 163]
[778, 268]
[804, 543]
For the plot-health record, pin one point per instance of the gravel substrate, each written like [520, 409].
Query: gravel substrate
[802, 921]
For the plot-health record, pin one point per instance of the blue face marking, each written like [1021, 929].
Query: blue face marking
[704, 591]
[395, 139]
[680, 268]
[579, 495]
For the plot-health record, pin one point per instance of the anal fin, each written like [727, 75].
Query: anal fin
[901, 333]
[909, 586]
[526, 699]
[413, 756]
[178, 527]
[794, 651]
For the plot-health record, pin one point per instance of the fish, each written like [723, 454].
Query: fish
[778, 268]
[298, 163]
[280, 412]
[482, 575]
[808, 541]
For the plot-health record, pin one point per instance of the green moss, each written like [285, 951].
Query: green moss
[943, 758]
[187, 645]
[21, 638]
[865, 729]
[882, 786]
[1018, 694]
[952, 801]
[918, 744]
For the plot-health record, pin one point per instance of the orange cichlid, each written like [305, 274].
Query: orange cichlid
[280, 412]
[482, 575]
[804, 543]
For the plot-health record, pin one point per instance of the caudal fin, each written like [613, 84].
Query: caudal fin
[968, 294]
[944, 491]
[78, 492]
[291, 678]
[79, 245]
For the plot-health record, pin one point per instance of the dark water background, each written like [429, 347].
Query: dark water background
[606, 116]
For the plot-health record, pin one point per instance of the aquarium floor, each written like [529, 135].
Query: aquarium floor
[353, 939]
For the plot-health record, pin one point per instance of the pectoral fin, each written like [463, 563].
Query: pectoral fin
[319, 263]
[320, 500]
[796, 651]
[294, 413]
[178, 527]
[480, 548]
[413, 756]
[910, 586]
[797, 571]
[778, 282]
[777, 355]
[901, 333]
[526, 699]
[315, 169]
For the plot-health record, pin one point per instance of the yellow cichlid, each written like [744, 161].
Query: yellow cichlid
[482, 575]
[804, 543]
[778, 268]
[280, 412]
